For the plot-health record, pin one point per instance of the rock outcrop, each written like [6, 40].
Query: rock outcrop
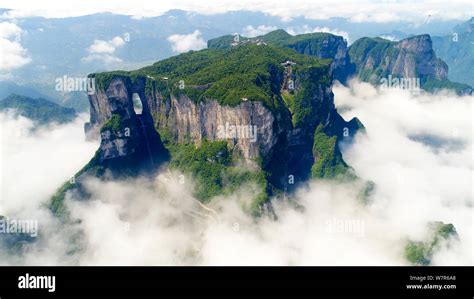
[378, 61]
[279, 135]
[263, 103]
[413, 57]
[373, 60]
[123, 133]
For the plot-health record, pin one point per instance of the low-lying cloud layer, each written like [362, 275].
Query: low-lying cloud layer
[158, 222]
[35, 161]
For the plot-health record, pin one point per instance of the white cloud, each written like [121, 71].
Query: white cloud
[185, 42]
[8, 30]
[29, 152]
[108, 47]
[250, 31]
[12, 54]
[158, 222]
[102, 50]
[389, 37]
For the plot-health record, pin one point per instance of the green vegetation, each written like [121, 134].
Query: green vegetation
[225, 41]
[112, 124]
[277, 37]
[214, 169]
[56, 204]
[420, 253]
[435, 85]
[39, 109]
[328, 159]
[226, 75]
[305, 109]
[379, 51]
[254, 72]
[376, 48]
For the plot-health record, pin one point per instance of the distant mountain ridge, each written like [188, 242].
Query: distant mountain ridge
[457, 49]
[39, 109]
[411, 58]
[370, 59]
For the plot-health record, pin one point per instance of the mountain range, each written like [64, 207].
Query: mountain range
[72, 39]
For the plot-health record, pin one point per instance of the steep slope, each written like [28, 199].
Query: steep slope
[413, 58]
[319, 44]
[259, 104]
[40, 110]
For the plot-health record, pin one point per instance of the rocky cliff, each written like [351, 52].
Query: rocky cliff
[411, 61]
[380, 61]
[264, 102]
[409, 58]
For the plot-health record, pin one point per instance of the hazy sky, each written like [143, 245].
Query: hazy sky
[358, 11]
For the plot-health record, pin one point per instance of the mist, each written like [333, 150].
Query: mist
[417, 150]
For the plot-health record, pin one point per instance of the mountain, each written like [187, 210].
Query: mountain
[457, 49]
[70, 38]
[265, 105]
[371, 59]
[9, 87]
[319, 44]
[40, 110]
[413, 58]
[439, 235]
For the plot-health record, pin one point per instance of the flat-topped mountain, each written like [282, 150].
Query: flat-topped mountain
[262, 104]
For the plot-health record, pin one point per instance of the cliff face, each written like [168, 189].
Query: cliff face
[328, 46]
[373, 60]
[267, 115]
[266, 106]
[376, 58]
[249, 128]
[123, 133]
[188, 121]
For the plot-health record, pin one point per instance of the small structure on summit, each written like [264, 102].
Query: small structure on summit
[288, 63]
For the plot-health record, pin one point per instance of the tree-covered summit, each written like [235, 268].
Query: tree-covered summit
[254, 72]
